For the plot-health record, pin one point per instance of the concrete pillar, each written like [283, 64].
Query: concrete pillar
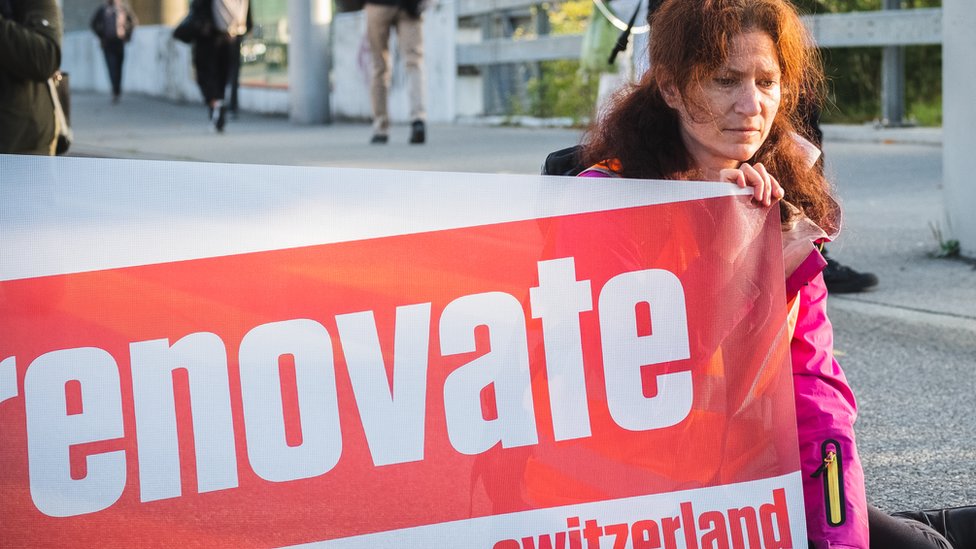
[440, 61]
[958, 121]
[893, 79]
[309, 59]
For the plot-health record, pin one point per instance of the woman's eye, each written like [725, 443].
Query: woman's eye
[725, 81]
[768, 83]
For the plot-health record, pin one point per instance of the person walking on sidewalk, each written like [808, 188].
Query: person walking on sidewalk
[406, 17]
[215, 54]
[30, 52]
[113, 23]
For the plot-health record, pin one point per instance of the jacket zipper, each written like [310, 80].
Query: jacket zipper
[833, 478]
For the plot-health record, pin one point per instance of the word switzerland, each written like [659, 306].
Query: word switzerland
[392, 409]
[732, 529]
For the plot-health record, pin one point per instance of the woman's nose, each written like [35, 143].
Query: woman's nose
[748, 100]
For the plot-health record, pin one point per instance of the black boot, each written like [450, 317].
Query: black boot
[418, 132]
[841, 279]
[957, 524]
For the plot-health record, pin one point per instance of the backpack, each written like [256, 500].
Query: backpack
[564, 162]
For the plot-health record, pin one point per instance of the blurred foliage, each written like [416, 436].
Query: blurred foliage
[569, 17]
[562, 88]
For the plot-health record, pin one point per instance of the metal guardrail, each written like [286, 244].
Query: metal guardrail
[470, 8]
[909, 27]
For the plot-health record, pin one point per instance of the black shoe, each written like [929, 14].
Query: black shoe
[418, 133]
[379, 139]
[956, 524]
[219, 117]
[841, 279]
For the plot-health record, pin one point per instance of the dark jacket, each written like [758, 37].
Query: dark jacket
[204, 8]
[30, 53]
[98, 23]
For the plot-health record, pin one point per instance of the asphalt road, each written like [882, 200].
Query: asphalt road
[908, 347]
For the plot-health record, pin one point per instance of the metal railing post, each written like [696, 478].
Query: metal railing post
[893, 79]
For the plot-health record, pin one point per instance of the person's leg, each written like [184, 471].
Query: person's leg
[378, 21]
[114, 56]
[235, 76]
[957, 524]
[204, 61]
[223, 64]
[411, 40]
[893, 532]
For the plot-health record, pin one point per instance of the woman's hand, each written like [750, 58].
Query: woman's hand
[766, 190]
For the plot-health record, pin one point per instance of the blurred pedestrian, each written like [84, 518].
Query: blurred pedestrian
[113, 23]
[406, 17]
[216, 53]
[30, 53]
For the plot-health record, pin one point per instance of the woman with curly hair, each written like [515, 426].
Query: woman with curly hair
[720, 103]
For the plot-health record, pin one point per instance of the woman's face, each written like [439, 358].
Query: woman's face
[731, 112]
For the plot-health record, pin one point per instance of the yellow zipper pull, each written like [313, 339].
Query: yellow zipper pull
[831, 457]
[831, 468]
[834, 490]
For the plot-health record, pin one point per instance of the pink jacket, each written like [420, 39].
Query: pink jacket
[833, 479]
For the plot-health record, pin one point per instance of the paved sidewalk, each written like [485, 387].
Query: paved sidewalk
[144, 128]
[909, 347]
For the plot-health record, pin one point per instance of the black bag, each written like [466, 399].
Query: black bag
[349, 5]
[197, 24]
[564, 162]
[414, 8]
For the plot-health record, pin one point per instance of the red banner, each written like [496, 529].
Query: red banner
[614, 378]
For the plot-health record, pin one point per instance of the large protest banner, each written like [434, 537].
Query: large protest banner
[209, 355]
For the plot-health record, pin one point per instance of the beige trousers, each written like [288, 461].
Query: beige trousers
[379, 20]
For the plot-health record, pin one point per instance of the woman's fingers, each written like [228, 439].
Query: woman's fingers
[766, 189]
[758, 179]
[733, 175]
[767, 183]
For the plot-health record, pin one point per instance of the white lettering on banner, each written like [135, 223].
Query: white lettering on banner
[52, 430]
[392, 412]
[626, 353]
[558, 301]
[268, 450]
[8, 378]
[204, 359]
[505, 366]
[765, 513]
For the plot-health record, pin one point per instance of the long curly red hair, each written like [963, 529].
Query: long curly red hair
[690, 39]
